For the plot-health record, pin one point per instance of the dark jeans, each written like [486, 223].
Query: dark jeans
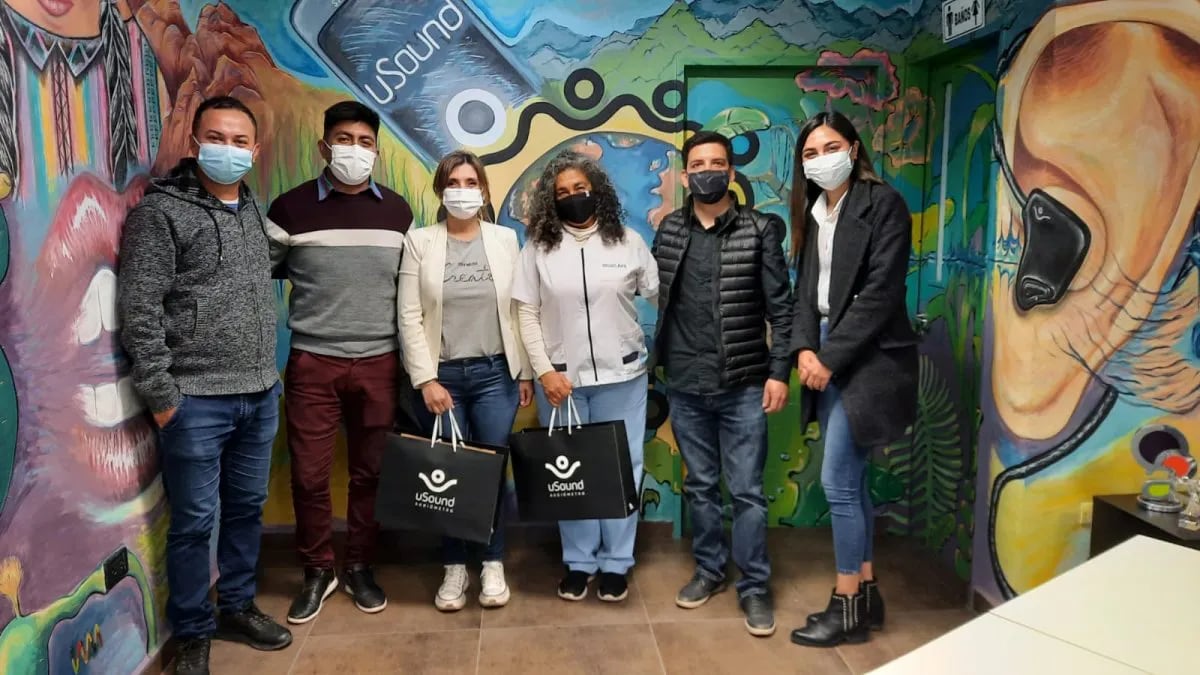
[216, 456]
[725, 435]
[486, 398]
[323, 393]
[844, 479]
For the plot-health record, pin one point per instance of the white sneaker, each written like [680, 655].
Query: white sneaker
[452, 596]
[495, 589]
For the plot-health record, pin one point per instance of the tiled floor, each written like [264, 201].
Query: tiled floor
[539, 633]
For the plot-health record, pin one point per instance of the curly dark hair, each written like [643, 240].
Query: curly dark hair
[546, 230]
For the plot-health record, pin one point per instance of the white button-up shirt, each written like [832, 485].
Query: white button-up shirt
[826, 225]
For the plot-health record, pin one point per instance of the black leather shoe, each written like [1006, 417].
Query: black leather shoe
[251, 627]
[359, 582]
[697, 591]
[319, 584]
[875, 608]
[760, 614]
[192, 658]
[844, 620]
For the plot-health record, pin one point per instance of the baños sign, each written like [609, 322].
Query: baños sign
[960, 17]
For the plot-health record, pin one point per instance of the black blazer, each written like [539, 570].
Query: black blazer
[872, 347]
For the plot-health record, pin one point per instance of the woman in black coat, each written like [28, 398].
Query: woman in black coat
[855, 349]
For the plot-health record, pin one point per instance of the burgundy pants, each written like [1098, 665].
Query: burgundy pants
[321, 394]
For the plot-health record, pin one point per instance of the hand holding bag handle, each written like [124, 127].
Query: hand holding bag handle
[456, 438]
[571, 411]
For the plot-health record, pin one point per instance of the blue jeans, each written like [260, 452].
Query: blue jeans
[604, 545]
[844, 478]
[216, 457]
[486, 399]
[719, 435]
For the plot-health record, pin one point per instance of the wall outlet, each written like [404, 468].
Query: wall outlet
[1085, 513]
[115, 568]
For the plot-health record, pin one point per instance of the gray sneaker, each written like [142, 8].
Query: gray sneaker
[760, 615]
[698, 591]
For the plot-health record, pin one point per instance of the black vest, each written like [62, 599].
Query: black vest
[741, 311]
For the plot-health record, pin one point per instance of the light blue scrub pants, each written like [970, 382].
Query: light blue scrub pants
[604, 545]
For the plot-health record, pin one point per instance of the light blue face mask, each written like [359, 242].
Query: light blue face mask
[224, 164]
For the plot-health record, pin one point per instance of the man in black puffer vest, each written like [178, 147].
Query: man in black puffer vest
[723, 282]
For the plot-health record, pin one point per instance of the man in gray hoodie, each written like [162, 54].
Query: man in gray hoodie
[197, 309]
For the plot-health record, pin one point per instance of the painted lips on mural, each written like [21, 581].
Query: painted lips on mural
[68, 344]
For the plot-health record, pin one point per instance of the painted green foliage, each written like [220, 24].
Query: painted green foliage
[8, 389]
[938, 461]
[735, 121]
[930, 461]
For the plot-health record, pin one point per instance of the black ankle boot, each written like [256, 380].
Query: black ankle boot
[844, 620]
[875, 609]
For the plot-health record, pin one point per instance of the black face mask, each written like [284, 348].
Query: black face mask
[709, 187]
[577, 208]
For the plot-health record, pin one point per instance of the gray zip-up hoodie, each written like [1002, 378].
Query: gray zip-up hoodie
[195, 295]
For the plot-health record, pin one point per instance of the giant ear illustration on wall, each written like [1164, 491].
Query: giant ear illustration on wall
[1120, 172]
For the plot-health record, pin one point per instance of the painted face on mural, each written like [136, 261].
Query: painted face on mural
[1124, 316]
[66, 18]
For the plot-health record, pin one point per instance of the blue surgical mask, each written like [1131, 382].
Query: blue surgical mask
[224, 164]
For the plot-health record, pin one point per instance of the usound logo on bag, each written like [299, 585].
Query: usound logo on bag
[433, 498]
[563, 469]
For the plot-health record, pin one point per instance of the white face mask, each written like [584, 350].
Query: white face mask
[829, 171]
[462, 203]
[351, 164]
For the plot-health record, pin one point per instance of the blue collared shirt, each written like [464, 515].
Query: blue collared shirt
[324, 187]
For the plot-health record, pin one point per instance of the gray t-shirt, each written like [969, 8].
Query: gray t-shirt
[470, 323]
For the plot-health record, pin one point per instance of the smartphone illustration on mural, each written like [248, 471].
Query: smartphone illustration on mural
[432, 69]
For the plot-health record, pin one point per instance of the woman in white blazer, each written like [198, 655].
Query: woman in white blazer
[462, 345]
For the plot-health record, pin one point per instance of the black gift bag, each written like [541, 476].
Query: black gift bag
[442, 487]
[573, 472]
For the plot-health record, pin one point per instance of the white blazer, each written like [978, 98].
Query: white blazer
[419, 300]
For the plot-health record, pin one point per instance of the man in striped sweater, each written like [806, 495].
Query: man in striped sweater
[338, 238]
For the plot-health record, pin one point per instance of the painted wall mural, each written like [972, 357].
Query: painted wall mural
[1031, 385]
[1080, 357]
[81, 511]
